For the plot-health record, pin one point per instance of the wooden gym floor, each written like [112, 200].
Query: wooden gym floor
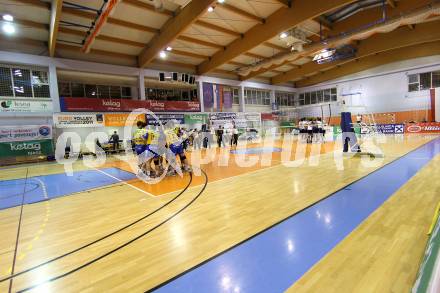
[104, 230]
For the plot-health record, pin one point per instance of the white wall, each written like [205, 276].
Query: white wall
[384, 88]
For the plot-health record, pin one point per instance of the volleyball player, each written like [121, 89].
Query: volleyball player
[140, 142]
[175, 144]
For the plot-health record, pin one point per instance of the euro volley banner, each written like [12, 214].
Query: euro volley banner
[78, 120]
[25, 133]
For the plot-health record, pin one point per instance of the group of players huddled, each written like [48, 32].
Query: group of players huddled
[153, 147]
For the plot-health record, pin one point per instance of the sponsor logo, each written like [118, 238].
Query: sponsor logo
[25, 146]
[6, 104]
[157, 104]
[432, 128]
[111, 103]
[414, 128]
[44, 130]
[398, 129]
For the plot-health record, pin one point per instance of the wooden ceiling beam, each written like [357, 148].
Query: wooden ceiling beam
[55, 16]
[425, 32]
[252, 55]
[32, 24]
[36, 3]
[173, 28]
[189, 54]
[111, 20]
[358, 65]
[283, 19]
[276, 47]
[97, 51]
[174, 63]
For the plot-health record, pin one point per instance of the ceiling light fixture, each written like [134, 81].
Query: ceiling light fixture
[283, 35]
[8, 28]
[163, 54]
[221, 1]
[8, 17]
[210, 9]
[169, 49]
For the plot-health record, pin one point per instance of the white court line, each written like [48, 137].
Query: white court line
[122, 181]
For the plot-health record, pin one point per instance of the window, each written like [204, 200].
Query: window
[22, 82]
[103, 91]
[316, 97]
[77, 90]
[151, 94]
[115, 92]
[256, 97]
[91, 90]
[235, 96]
[436, 79]
[423, 81]
[64, 89]
[5, 82]
[327, 95]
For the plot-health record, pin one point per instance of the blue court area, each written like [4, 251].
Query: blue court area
[50, 186]
[273, 260]
[255, 151]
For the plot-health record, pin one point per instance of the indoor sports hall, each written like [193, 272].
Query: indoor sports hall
[230, 146]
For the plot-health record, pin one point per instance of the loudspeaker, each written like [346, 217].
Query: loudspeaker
[162, 76]
[186, 77]
[175, 76]
[192, 79]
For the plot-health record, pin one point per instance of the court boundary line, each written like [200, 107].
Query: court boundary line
[126, 183]
[125, 244]
[101, 238]
[18, 233]
[280, 221]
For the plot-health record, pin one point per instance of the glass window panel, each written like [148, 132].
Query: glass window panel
[115, 92]
[77, 90]
[5, 82]
[22, 82]
[103, 91]
[319, 96]
[151, 94]
[126, 92]
[64, 89]
[425, 81]
[327, 95]
[41, 91]
[413, 78]
[436, 79]
[307, 100]
[413, 87]
[91, 91]
[313, 98]
[39, 77]
[333, 91]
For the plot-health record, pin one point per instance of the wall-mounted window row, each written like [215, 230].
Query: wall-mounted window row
[23, 82]
[171, 94]
[81, 90]
[317, 97]
[256, 97]
[285, 99]
[423, 81]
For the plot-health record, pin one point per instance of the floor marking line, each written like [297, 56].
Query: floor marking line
[125, 183]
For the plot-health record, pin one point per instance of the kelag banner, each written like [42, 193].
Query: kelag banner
[196, 119]
[25, 133]
[26, 148]
[165, 118]
[121, 105]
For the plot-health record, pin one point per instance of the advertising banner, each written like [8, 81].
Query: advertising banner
[208, 95]
[120, 119]
[26, 148]
[25, 133]
[25, 106]
[196, 119]
[165, 118]
[121, 105]
[390, 128]
[433, 127]
[78, 120]
[241, 120]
